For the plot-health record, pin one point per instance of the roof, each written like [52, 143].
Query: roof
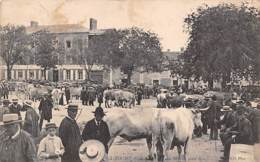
[63, 28]
[172, 55]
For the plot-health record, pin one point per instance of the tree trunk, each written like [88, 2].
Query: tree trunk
[9, 69]
[129, 75]
[88, 75]
[225, 80]
[210, 83]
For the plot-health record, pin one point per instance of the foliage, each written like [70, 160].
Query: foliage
[46, 49]
[131, 50]
[13, 44]
[222, 41]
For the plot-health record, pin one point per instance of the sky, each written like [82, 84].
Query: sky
[164, 17]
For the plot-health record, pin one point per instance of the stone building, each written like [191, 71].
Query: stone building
[73, 38]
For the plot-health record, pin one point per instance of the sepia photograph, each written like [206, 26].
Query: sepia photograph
[129, 80]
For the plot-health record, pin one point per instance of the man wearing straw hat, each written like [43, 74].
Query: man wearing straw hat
[70, 135]
[17, 146]
[98, 129]
[31, 120]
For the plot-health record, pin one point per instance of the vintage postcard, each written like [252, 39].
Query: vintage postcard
[129, 80]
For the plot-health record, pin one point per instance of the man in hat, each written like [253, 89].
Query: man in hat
[67, 94]
[45, 109]
[17, 146]
[214, 117]
[227, 122]
[4, 108]
[15, 107]
[83, 96]
[70, 135]
[240, 132]
[6, 91]
[97, 129]
[31, 120]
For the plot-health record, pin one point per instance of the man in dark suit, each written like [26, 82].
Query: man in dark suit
[15, 108]
[45, 109]
[97, 129]
[70, 136]
[214, 117]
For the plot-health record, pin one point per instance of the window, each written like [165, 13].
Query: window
[80, 74]
[20, 74]
[155, 82]
[31, 74]
[175, 82]
[68, 44]
[68, 74]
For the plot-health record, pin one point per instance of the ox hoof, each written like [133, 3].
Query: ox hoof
[149, 157]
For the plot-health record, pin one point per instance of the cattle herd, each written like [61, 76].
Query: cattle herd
[174, 121]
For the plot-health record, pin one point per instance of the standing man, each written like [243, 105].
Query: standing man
[6, 91]
[17, 146]
[139, 96]
[97, 129]
[100, 98]
[67, 94]
[214, 117]
[31, 120]
[70, 135]
[45, 109]
[15, 108]
[4, 108]
[83, 96]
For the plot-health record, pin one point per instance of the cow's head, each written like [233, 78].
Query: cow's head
[197, 122]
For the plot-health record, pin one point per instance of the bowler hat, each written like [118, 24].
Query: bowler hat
[92, 151]
[10, 119]
[50, 125]
[72, 107]
[99, 111]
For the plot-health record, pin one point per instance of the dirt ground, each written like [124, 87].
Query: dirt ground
[200, 150]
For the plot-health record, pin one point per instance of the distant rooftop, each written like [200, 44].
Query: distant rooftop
[172, 55]
[65, 28]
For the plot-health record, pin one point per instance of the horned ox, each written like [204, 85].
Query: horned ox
[175, 127]
[147, 123]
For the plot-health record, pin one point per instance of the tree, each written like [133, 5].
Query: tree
[93, 53]
[132, 50]
[13, 45]
[46, 50]
[222, 42]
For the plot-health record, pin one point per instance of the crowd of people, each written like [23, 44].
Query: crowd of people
[234, 123]
[20, 139]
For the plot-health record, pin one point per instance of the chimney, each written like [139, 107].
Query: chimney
[34, 24]
[93, 24]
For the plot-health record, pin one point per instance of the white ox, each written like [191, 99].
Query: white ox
[147, 123]
[175, 127]
[131, 124]
[120, 97]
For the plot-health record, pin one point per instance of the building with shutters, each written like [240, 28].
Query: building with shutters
[72, 37]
